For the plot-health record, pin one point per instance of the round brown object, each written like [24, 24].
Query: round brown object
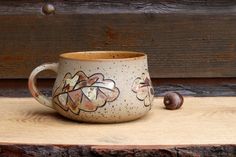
[173, 100]
[48, 9]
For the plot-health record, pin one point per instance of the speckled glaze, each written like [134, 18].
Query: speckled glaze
[98, 86]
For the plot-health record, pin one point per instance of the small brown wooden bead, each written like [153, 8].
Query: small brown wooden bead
[173, 100]
[48, 9]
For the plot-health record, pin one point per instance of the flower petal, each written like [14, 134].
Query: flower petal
[100, 99]
[80, 85]
[111, 95]
[90, 92]
[57, 101]
[74, 107]
[142, 93]
[62, 98]
[75, 95]
[70, 83]
[136, 84]
[82, 76]
[151, 91]
[105, 84]
[147, 101]
[98, 76]
[87, 105]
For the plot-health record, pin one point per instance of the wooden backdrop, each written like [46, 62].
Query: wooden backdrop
[183, 39]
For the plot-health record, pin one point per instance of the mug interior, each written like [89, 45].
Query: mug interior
[103, 55]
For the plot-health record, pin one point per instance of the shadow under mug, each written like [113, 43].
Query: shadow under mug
[98, 86]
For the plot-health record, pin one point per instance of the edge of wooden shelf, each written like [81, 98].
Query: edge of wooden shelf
[129, 150]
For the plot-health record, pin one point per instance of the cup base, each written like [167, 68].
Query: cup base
[103, 120]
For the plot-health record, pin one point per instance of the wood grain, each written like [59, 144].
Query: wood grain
[185, 86]
[119, 151]
[203, 127]
[182, 39]
[119, 6]
[201, 121]
[200, 87]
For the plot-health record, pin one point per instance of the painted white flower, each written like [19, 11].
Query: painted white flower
[143, 88]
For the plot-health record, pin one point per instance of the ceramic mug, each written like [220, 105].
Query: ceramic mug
[98, 86]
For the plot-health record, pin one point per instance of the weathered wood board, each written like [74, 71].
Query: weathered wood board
[204, 126]
[182, 39]
[20, 150]
[205, 121]
[185, 86]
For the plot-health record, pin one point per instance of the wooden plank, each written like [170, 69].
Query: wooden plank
[202, 127]
[185, 86]
[119, 151]
[201, 121]
[196, 87]
[183, 39]
[12, 7]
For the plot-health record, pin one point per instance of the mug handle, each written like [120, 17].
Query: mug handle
[47, 101]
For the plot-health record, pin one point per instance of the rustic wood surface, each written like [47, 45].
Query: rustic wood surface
[201, 121]
[196, 87]
[185, 86]
[182, 38]
[119, 151]
[119, 6]
[203, 127]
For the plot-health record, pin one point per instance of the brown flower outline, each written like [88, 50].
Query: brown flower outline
[80, 92]
[142, 86]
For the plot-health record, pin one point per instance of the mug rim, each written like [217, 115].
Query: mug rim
[135, 55]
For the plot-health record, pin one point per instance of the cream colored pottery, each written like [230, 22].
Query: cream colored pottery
[98, 86]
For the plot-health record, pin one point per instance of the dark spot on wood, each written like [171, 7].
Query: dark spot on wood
[111, 34]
